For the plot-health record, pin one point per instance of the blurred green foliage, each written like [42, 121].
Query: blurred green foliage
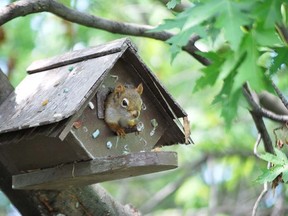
[248, 29]
[219, 171]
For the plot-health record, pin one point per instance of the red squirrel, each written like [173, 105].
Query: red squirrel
[123, 107]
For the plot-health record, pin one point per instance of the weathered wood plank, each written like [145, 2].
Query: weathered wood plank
[98, 170]
[79, 55]
[5, 87]
[53, 95]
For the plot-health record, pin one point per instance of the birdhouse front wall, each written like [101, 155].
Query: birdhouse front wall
[97, 137]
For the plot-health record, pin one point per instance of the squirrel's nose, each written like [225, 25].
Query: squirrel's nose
[135, 113]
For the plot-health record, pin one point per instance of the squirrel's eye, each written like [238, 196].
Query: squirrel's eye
[125, 102]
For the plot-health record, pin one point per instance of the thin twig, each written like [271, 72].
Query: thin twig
[259, 138]
[268, 114]
[258, 120]
[265, 189]
[262, 194]
[279, 93]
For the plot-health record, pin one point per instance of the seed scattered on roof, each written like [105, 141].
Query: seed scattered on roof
[45, 102]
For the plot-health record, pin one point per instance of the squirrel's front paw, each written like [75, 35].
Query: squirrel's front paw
[121, 132]
[127, 123]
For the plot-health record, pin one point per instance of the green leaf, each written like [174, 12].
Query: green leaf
[230, 20]
[266, 37]
[181, 39]
[227, 98]
[282, 156]
[172, 3]
[261, 179]
[269, 12]
[272, 158]
[230, 107]
[228, 14]
[202, 12]
[270, 174]
[211, 72]
[280, 59]
[175, 50]
[280, 163]
[177, 23]
[249, 70]
[226, 90]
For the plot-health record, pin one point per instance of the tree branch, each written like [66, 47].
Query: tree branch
[260, 110]
[258, 120]
[89, 200]
[26, 7]
[279, 93]
[257, 114]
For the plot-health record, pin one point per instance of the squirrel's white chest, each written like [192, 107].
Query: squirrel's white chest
[113, 115]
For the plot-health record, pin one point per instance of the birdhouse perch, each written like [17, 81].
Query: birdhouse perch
[52, 129]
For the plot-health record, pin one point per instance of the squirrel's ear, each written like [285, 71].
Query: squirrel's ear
[119, 89]
[139, 89]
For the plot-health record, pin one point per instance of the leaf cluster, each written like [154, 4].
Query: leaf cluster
[244, 42]
[279, 168]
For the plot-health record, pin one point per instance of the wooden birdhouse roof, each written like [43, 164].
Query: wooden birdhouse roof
[58, 88]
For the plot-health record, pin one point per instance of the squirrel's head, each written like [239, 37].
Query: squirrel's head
[129, 98]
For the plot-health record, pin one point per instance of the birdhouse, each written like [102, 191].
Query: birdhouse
[53, 132]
